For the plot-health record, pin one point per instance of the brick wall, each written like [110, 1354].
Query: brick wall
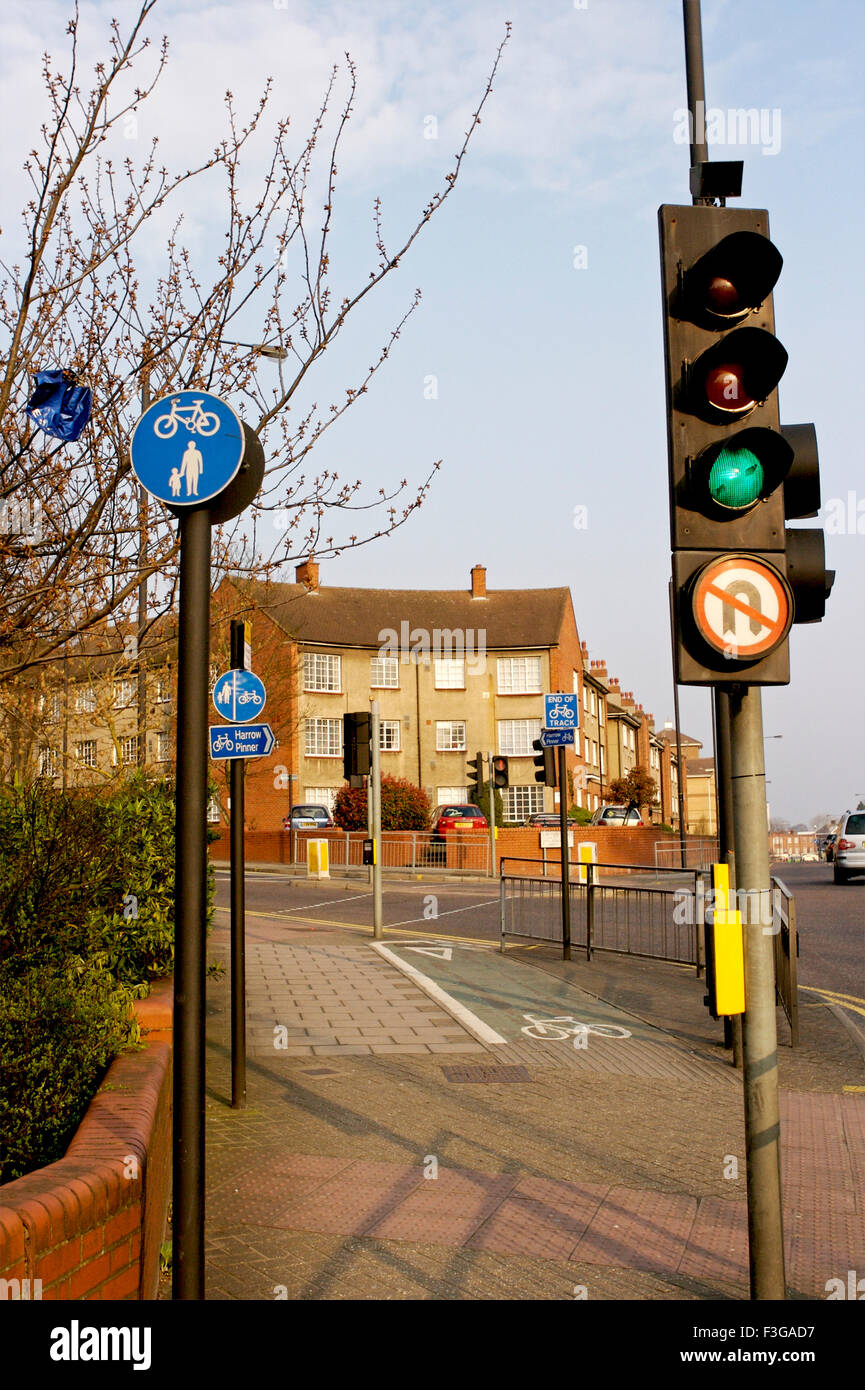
[90, 1225]
[635, 845]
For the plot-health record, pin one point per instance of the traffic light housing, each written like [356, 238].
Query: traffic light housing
[739, 578]
[356, 733]
[475, 777]
[499, 773]
[545, 763]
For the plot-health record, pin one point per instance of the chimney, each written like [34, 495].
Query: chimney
[307, 574]
[479, 581]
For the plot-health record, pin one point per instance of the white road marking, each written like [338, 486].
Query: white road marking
[469, 1021]
[441, 952]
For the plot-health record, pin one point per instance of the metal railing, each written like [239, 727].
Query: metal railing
[401, 849]
[786, 944]
[658, 916]
[699, 854]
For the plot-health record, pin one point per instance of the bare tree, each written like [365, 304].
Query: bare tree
[77, 302]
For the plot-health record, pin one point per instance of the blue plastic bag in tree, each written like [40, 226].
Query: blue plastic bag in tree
[59, 406]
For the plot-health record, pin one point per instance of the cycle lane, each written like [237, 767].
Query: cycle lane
[511, 997]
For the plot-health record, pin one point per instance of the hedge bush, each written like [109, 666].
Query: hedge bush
[403, 806]
[86, 922]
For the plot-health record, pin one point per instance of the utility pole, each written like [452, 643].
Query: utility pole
[237, 773]
[566, 879]
[492, 817]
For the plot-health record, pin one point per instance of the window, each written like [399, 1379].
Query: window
[322, 672]
[388, 735]
[47, 762]
[163, 690]
[213, 811]
[384, 673]
[322, 796]
[163, 748]
[600, 711]
[124, 693]
[128, 751]
[593, 696]
[576, 683]
[50, 706]
[85, 752]
[85, 699]
[212, 677]
[603, 756]
[452, 796]
[594, 754]
[519, 802]
[516, 735]
[450, 735]
[450, 673]
[324, 738]
[519, 675]
[586, 698]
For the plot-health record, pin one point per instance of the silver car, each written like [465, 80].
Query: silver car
[849, 858]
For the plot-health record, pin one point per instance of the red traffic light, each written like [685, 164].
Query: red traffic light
[735, 373]
[725, 388]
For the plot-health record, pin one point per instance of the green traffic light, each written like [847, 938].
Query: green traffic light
[736, 478]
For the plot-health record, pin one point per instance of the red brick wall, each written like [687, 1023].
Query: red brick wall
[90, 1225]
[614, 846]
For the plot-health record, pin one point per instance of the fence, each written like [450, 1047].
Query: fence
[402, 849]
[663, 920]
[698, 854]
[785, 939]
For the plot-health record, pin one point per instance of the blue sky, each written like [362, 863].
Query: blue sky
[549, 377]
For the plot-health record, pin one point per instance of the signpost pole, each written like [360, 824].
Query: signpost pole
[566, 883]
[375, 738]
[759, 1033]
[238, 906]
[190, 913]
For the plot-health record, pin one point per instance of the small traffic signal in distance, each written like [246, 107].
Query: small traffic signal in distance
[545, 763]
[476, 777]
[500, 772]
[355, 744]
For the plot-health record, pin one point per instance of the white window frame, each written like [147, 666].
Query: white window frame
[213, 812]
[450, 672]
[320, 796]
[446, 740]
[520, 802]
[389, 727]
[163, 748]
[585, 698]
[128, 747]
[163, 690]
[85, 699]
[322, 672]
[47, 762]
[333, 737]
[452, 796]
[86, 758]
[519, 675]
[380, 667]
[124, 693]
[515, 737]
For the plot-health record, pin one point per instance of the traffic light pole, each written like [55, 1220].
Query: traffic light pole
[759, 1033]
[565, 854]
[492, 818]
[375, 740]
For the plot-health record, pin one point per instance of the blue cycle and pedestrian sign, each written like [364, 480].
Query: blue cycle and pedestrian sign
[558, 738]
[240, 740]
[186, 448]
[239, 696]
[561, 711]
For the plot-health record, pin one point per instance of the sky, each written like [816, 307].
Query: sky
[533, 367]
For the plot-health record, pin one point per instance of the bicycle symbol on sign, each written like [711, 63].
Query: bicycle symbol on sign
[246, 696]
[222, 741]
[193, 417]
[555, 1029]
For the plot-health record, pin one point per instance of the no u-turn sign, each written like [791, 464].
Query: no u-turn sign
[742, 606]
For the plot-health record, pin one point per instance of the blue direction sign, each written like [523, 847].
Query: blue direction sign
[558, 738]
[185, 449]
[561, 712]
[239, 696]
[240, 740]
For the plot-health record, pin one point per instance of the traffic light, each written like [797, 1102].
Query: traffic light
[500, 772]
[545, 763]
[476, 777]
[739, 579]
[355, 745]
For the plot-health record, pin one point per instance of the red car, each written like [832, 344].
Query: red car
[449, 820]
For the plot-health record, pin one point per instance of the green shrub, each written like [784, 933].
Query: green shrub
[59, 1030]
[403, 806]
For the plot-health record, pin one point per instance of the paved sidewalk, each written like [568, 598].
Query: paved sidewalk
[392, 1150]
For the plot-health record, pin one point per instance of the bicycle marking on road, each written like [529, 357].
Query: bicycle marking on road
[565, 1026]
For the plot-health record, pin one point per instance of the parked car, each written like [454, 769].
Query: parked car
[616, 816]
[449, 820]
[849, 857]
[308, 818]
[545, 819]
